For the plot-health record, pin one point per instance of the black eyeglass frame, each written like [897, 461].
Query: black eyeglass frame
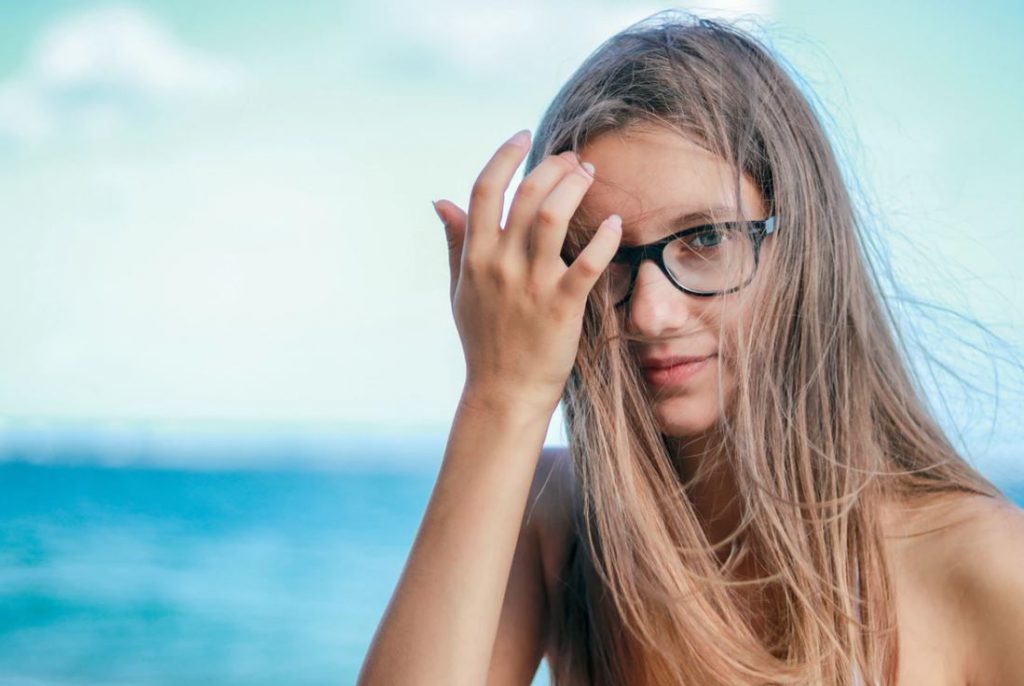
[634, 255]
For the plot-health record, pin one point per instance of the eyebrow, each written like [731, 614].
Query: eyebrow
[680, 221]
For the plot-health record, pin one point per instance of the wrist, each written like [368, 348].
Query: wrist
[509, 400]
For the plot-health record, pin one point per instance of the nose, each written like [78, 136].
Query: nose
[657, 309]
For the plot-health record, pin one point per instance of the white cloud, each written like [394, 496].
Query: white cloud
[97, 70]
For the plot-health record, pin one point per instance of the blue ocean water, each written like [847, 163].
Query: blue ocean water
[153, 576]
[149, 576]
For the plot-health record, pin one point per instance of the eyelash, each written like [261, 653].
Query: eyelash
[714, 232]
[720, 229]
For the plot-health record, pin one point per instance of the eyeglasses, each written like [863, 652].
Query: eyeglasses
[712, 259]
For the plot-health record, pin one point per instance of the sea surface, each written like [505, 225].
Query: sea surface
[147, 576]
[114, 575]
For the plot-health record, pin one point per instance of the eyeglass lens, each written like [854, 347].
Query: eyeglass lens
[718, 259]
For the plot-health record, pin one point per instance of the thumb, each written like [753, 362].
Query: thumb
[454, 220]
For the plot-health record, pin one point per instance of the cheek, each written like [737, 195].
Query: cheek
[728, 382]
[736, 340]
[727, 320]
[733, 322]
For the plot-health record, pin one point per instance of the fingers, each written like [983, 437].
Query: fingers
[487, 197]
[531, 192]
[538, 218]
[583, 273]
[553, 215]
[454, 220]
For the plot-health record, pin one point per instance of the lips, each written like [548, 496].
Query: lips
[666, 362]
[678, 374]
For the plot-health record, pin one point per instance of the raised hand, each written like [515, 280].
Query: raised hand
[517, 306]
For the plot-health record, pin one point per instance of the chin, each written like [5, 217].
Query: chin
[684, 415]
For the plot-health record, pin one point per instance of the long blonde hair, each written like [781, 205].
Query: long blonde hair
[827, 420]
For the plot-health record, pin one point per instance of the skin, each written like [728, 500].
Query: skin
[959, 591]
[519, 312]
[650, 175]
[471, 604]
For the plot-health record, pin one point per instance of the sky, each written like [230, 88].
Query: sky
[217, 214]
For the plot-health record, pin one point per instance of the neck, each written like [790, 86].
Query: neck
[714, 494]
[715, 497]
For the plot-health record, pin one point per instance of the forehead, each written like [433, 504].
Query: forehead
[649, 176]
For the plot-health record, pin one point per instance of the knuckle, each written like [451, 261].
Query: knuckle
[541, 300]
[537, 290]
[530, 186]
[470, 267]
[586, 266]
[483, 188]
[497, 273]
[549, 215]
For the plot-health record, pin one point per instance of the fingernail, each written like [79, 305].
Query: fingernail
[439, 215]
[521, 138]
[589, 167]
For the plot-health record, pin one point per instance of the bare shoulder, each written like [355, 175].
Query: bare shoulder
[987, 572]
[938, 526]
[940, 548]
[955, 537]
[969, 550]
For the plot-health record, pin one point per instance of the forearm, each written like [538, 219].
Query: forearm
[441, 623]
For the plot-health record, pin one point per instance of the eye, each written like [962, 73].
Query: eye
[707, 239]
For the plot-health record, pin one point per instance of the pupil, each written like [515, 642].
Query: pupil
[708, 239]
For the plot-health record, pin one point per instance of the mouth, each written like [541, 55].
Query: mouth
[679, 373]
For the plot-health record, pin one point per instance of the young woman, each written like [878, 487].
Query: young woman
[754, 491]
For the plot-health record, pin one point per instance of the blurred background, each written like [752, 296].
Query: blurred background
[228, 365]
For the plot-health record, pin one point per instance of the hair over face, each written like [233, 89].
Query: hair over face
[826, 423]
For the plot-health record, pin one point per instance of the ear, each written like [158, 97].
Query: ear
[454, 220]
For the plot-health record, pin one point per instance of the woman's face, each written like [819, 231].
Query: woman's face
[649, 177]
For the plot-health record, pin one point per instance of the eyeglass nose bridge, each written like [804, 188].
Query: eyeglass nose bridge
[656, 252]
